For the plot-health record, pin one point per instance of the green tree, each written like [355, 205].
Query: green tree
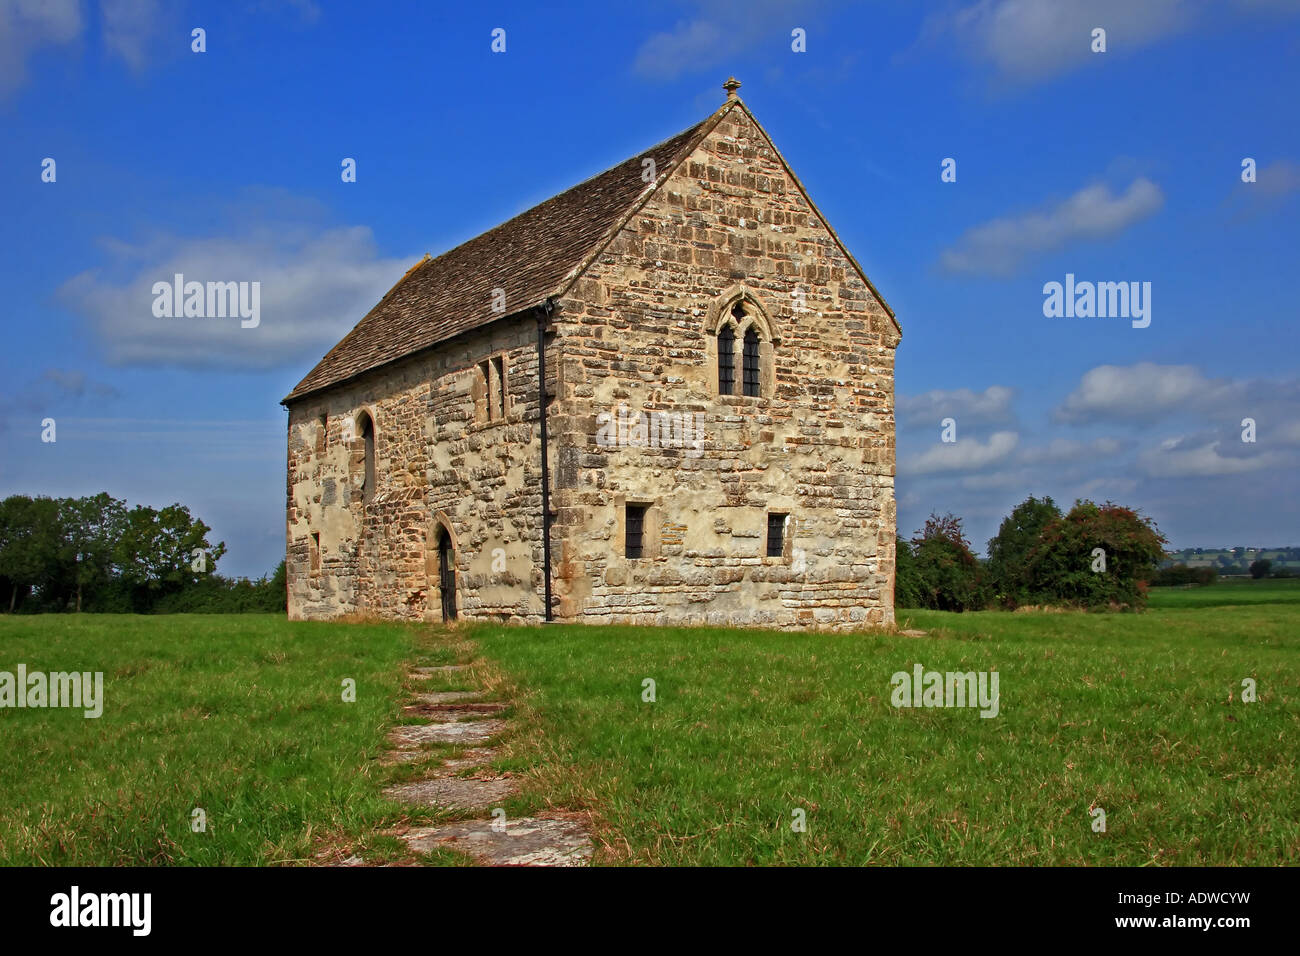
[30, 542]
[1009, 549]
[950, 577]
[91, 529]
[908, 590]
[1259, 569]
[162, 552]
[1096, 556]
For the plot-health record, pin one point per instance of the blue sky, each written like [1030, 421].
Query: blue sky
[1122, 166]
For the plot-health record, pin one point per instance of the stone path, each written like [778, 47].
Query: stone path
[556, 838]
[531, 841]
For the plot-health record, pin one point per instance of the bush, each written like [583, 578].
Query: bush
[1259, 569]
[1065, 566]
[908, 590]
[218, 595]
[948, 576]
[1180, 575]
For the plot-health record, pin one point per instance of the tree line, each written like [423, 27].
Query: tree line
[96, 554]
[1094, 556]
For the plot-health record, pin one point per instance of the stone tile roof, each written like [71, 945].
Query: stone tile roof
[531, 257]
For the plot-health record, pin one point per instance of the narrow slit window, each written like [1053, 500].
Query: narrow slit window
[484, 412]
[368, 439]
[499, 365]
[726, 361]
[315, 550]
[751, 362]
[634, 527]
[776, 535]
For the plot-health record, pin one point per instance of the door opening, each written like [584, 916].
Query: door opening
[447, 575]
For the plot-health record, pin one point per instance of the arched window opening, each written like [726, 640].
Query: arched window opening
[447, 574]
[367, 427]
[751, 362]
[726, 361]
[744, 340]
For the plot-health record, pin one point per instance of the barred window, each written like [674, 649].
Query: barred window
[634, 528]
[775, 535]
[751, 362]
[726, 361]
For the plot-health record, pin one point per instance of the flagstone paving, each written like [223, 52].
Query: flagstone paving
[449, 732]
[556, 839]
[527, 841]
[448, 697]
[454, 793]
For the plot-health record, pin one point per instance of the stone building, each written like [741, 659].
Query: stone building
[718, 444]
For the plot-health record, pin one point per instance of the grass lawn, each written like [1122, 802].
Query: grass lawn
[1128, 712]
[242, 716]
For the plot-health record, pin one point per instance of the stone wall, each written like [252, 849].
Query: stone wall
[637, 331]
[439, 461]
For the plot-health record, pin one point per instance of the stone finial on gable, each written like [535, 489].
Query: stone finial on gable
[731, 86]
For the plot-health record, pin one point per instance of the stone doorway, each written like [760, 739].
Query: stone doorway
[447, 574]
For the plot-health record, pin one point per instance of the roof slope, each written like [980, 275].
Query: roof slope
[530, 257]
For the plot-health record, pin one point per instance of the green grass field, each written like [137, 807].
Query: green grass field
[240, 715]
[1127, 712]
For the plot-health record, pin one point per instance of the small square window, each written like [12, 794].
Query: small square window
[776, 535]
[634, 531]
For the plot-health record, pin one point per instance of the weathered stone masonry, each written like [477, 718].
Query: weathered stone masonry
[635, 327]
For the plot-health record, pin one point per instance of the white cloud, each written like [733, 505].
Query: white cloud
[1027, 41]
[720, 31]
[134, 28]
[26, 25]
[1030, 40]
[1287, 433]
[966, 406]
[999, 246]
[316, 284]
[1188, 458]
[1273, 183]
[1143, 392]
[965, 454]
[1280, 177]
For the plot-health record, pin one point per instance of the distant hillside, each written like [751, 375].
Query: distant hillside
[1234, 560]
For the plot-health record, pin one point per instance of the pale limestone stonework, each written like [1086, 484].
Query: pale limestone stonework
[634, 330]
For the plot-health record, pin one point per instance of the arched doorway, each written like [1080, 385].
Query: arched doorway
[447, 574]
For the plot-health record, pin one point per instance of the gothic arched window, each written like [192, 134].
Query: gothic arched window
[745, 370]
